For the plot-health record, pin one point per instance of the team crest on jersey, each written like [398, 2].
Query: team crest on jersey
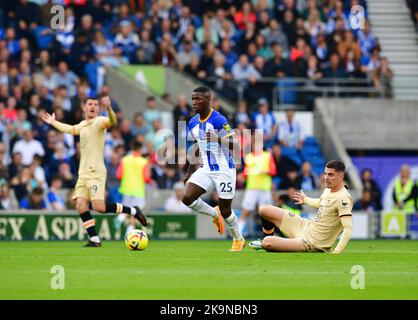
[292, 214]
[344, 204]
[226, 127]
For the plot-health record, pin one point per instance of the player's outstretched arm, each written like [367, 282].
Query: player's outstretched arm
[347, 222]
[301, 198]
[63, 127]
[112, 120]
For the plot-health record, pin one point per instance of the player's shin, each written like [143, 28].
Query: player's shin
[268, 227]
[202, 207]
[90, 226]
[232, 224]
[115, 207]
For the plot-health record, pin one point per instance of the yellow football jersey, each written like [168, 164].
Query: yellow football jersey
[325, 227]
[92, 138]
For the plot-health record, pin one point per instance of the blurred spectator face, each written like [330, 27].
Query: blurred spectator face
[366, 196]
[10, 34]
[157, 125]
[151, 103]
[139, 120]
[405, 172]
[56, 183]
[37, 195]
[306, 168]
[335, 61]
[290, 114]
[226, 46]
[125, 126]
[263, 108]
[86, 22]
[257, 142]
[288, 16]
[125, 28]
[277, 50]
[252, 49]
[277, 151]
[4, 191]
[264, 17]
[182, 100]
[242, 106]
[243, 60]
[28, 135]
[11, 103]
[62, 67]
[367, 175]
[292, 175]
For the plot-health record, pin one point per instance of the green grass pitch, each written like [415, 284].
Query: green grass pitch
[206, 270]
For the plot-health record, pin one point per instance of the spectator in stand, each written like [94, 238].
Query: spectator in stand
[206, 32]
[365, 203]
[246, 75]
[7, 199]
[174, 204]
[277, 66]
[383, 77]
[169, 177]
[367, 40]
[307, 179]
[290, 180]
[138, 126]
[35, 200]
[127, 40]
[242, 116]
[67, 78]
[264, 120]
[182, 112]
[245, 15]
[290, 132]
[16, 165]
[65, 174]
[370, 184]
[55, 199]
[166, 54]
[151, 113]
[335, 69]
[22, 183]
[283, 164]
[28, 147]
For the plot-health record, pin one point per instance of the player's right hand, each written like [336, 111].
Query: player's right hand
[50, 119]
[299, 197]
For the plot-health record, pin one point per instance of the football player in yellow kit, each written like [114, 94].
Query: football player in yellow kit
[90, 186]
[319, 234]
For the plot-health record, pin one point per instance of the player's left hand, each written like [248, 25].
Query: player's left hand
[211, 136]
[106, 102]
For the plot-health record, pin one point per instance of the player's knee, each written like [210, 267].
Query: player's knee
[100, 208]
[187, 200]
[263, 209]
[81, 207]
[268, 243]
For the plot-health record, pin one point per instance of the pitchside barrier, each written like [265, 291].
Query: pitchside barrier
[66, 225]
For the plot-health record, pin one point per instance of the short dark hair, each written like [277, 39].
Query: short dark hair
[150, 98]
[337, 165]
[89, 98]
[136, 145]
[202, 89]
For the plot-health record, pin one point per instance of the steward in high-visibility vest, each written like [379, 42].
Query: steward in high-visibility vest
[258, 170]
[134, 173]
[404, 191]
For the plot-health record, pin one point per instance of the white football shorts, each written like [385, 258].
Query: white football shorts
[223, 181]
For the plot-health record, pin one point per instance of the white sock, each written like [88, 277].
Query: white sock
[133, 211]
[202, 207]
[232, 224]
[95, 239]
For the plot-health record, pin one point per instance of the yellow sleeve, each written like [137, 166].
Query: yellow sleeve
[313, 202]
[344, 206]
[66, 128]
[347, 222]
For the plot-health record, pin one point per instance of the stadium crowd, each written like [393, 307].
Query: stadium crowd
[54, 71]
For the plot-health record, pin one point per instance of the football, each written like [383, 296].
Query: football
[136, 240]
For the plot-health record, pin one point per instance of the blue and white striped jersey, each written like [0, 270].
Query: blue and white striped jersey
[214, 157]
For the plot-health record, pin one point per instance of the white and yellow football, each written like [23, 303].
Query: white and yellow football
[136, 240]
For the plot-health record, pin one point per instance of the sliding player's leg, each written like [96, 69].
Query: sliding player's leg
[272, 216]
[232, 224]
[279, 244]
